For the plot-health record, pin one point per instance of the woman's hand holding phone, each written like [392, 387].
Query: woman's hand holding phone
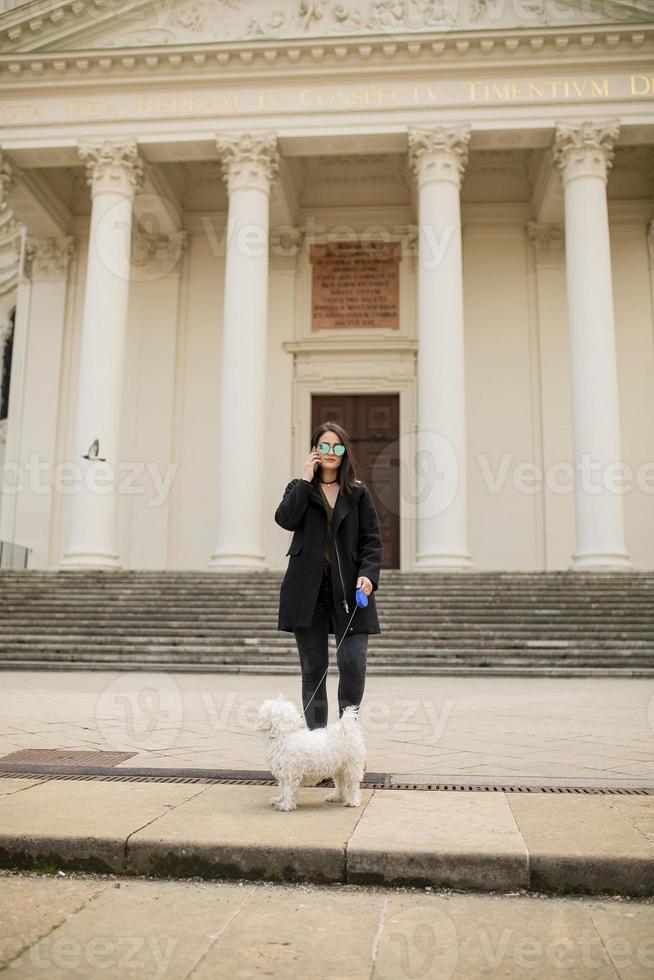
[311, 464]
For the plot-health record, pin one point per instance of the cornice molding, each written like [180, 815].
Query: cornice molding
[546, 47]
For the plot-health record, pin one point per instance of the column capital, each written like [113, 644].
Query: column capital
[249, 160]
[7, 179]
[548, 241]
[112, 165]
[586, 148]
[47, 259]
[439, 152]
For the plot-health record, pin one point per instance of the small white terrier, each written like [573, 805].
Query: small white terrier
[300, 756]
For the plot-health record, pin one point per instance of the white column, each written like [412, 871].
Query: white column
[583, 153]
[251, 162]
[47, 267]
[438, 157]
[115, 173]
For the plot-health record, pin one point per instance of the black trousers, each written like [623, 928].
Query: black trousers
[313, 648]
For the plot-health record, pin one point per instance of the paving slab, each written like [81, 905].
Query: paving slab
[584, 844]
[32, 907]
[457, 840]
[233, 831]
[178, 929]
[9, 786]
[81, 825]
[533, 726]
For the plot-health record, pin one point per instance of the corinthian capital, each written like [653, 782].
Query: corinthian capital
[439, 152]
[7, 179]
[48, 258]
[585, 149]
[249, 160]
[112, 166]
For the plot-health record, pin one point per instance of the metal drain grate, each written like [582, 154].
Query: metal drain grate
[64, 757]
[245, 777]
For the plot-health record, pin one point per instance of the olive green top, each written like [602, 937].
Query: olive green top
[327, 557]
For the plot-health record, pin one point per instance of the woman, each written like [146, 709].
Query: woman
[336, 549]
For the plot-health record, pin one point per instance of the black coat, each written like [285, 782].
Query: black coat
[356, 540]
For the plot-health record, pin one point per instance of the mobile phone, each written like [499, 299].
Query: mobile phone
[317, 462]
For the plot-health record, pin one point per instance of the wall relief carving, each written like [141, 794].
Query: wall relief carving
[189, 21]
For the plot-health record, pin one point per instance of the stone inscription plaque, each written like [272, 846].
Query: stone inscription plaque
[355, 285]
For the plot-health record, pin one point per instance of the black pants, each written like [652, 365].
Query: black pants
[313, 648]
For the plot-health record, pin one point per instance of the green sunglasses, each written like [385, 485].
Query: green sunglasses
[324, 448]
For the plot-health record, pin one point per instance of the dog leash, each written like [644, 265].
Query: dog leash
[356, 606]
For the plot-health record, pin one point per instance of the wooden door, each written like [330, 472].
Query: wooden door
[372, 422]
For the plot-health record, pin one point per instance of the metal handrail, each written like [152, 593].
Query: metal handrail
[14, 555]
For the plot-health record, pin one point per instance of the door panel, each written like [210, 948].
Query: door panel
[373, 424]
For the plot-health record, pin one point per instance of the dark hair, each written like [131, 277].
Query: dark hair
[347, 471]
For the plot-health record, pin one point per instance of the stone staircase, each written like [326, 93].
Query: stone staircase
[552, 623]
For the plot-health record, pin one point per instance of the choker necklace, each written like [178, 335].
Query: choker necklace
[326, 484]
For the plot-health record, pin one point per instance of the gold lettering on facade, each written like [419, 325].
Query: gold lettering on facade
[187, 105]
[554, 88]
[89, 109]
[641, 85]
[20, 112]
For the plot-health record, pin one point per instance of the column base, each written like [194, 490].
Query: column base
[446, 561]
[90, 559]
[608, 561]
[233, 561]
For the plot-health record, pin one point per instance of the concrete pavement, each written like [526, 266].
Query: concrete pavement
[84, 926]
[574, 732]
[578, 729]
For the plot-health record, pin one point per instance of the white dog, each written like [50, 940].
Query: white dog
[299, 756]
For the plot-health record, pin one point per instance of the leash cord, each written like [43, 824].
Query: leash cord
[329, 660]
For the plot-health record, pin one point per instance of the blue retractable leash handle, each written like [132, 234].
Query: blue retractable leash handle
[361, 600]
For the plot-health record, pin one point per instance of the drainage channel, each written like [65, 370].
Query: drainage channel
[371, 780]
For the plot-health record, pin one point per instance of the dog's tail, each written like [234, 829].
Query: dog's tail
[350, 716]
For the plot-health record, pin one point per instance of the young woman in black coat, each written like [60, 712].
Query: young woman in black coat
[336, 548]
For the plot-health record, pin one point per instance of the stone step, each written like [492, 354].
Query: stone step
[390, 639]
[608, 652]
[523, 669]
[480, 621]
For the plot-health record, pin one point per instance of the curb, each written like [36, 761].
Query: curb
[550, 843]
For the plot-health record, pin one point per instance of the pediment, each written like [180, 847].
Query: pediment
[69, 25]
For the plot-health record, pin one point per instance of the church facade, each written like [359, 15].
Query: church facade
[429, 220]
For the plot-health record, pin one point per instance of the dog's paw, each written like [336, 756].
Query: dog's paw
[333, 798]
[352, 801]
[281, 805]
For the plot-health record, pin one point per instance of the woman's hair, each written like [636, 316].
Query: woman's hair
[347, 471]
